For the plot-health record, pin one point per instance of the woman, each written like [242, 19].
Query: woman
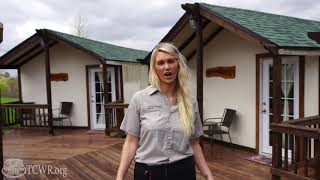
[163, 124]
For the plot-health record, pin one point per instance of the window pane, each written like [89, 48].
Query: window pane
[98, 108]
[96, 77]
[98, 98]
[282, 105]
[270, 105]
[290, 107]
[290, 72]
[270, 89]
[97, 87]
[290, 89]
[270, 72]
[283, 72]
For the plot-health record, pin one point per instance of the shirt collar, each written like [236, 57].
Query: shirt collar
[152, 90]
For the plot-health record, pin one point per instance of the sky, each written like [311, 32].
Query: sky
[138, 24]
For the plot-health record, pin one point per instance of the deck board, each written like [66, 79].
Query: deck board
[95, 156]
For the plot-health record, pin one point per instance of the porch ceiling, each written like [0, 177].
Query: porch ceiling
[22, 53]
[185, 39]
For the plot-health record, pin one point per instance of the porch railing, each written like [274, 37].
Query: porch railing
[300, 148]
[24, 115]
[114, 115]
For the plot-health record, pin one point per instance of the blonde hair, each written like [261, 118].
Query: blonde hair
[183, 85]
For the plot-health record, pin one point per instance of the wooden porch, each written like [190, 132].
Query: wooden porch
[96, 156]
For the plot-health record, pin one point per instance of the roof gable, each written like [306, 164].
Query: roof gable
[283, 31]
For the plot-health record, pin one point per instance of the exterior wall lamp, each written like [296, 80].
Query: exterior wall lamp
[192, 21]
[314, 36]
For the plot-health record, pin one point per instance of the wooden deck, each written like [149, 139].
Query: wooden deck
[35, 145]
[95, 156]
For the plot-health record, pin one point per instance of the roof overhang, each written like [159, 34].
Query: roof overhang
[32, 47]
[20, 54]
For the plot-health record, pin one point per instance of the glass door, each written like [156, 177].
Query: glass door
[289, 97]
[97, 95]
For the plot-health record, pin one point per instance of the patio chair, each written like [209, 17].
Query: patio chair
[64, 113]
[222, 127]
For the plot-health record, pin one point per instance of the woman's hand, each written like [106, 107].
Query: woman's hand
[199, 159]
[210, 177]
[129, 149]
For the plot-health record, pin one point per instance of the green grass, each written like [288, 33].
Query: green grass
[8, 100]
[10, 119]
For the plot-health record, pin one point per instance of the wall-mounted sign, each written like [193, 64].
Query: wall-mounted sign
[221, 71]
[59, 77]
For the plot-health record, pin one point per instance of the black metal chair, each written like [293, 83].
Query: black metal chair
[222, 127]
[64, 113]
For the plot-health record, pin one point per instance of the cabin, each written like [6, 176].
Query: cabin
[266, 68]
[55, 67]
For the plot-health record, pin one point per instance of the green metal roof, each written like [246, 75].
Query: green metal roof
[281, 30]
[107, 51]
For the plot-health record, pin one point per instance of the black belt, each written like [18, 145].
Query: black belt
[182, 161]
[150, 169]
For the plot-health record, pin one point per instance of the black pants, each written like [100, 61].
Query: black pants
[182, 169]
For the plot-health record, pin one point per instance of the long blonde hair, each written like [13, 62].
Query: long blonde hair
[183, 85]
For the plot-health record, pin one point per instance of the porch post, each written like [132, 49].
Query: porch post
[199, 55]
[1, 139]
[19, 82]
[1, 134]
[105, 93]
[45, 45]
[276, 110]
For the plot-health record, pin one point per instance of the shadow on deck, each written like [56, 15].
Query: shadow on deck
[95, 156]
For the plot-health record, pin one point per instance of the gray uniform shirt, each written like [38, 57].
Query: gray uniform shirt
[157, 124]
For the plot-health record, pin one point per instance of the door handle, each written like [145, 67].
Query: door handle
[264, 111]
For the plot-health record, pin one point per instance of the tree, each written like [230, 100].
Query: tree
[9, 86]
[80, 26]
[7, 74]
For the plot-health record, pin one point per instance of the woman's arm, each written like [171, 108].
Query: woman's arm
[128, 151]
[199, 159]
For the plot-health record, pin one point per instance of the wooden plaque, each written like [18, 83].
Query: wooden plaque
[59, 77]
[226, 72]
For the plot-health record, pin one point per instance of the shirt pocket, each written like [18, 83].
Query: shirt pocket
[152, 116]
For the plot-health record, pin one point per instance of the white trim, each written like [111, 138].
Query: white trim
[299, 52]
[264, 92]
